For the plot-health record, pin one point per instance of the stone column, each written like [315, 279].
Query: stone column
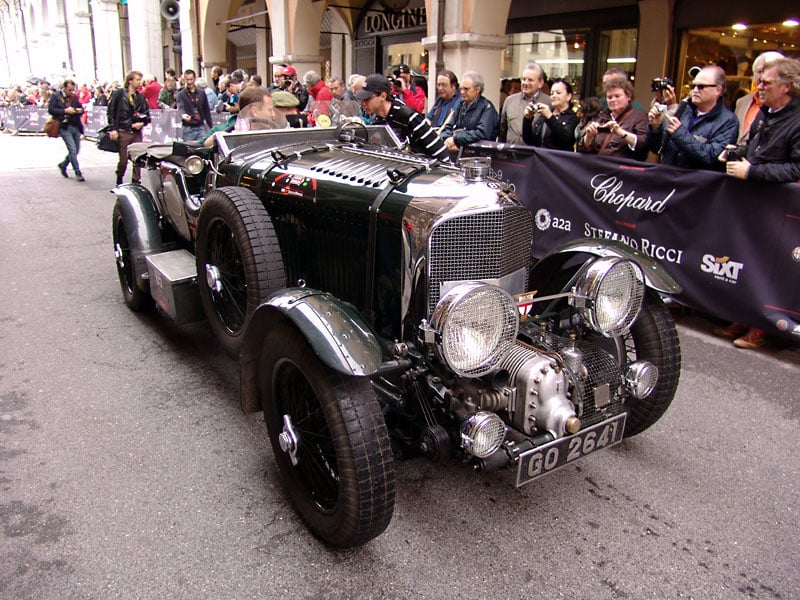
[295, 34]
[105, 17]
[80, 38]
[473, 40]
[144, 25]
[263, 67]
[188, 39]
[655, 27]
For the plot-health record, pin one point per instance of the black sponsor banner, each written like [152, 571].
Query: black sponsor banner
[733, 246]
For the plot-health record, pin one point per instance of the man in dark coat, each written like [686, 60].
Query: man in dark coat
[127, 114]
[476, 119]
[194, 110]
[700, 129]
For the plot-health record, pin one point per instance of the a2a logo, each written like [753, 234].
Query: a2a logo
[721, 267]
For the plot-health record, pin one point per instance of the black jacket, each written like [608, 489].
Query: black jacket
[57, 105]
[121, 114]
[196, 106]
[699, 141]
[557, 132]
[774, 146]
[473, 122]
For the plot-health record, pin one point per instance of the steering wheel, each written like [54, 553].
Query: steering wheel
[348, 131]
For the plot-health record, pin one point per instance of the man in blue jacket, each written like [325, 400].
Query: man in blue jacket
[476, 118]
[700, 128]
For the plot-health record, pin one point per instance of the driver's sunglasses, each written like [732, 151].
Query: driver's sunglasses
[702, 86]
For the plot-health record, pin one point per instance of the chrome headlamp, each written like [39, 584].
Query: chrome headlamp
[609, 294]
[640, 377]
[482, 433]
[194, 165]
[475, 325]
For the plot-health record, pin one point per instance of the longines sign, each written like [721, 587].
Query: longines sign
[409, 18]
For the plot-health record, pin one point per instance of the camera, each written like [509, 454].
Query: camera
[605, 126]
[733, 153]
[661, 83]
[398, 83]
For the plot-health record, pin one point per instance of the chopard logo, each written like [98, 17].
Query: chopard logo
[606, 189]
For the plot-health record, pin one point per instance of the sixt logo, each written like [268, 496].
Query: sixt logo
[722, 268]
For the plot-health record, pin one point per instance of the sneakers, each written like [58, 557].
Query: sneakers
[732, 331]
[63, 168]
[754, 338]
[79, 176]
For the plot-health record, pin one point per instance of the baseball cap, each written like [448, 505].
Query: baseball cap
[374, 85]
[289, 70]
[404, 69]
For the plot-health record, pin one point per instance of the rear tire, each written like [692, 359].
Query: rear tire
[343, 482]
[238, 254]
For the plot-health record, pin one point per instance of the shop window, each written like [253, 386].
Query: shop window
[616, 48]
[734, 50]
[567, 54]
[560, 52]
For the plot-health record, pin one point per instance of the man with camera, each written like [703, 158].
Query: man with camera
[701, 127]
[772, 153]
[512, 112]
[410, 93]
[376, 98]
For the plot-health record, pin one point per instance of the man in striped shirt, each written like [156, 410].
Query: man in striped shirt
[377, 99]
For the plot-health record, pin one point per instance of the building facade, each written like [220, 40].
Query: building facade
[576, 39]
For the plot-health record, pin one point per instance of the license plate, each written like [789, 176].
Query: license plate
[545, 459]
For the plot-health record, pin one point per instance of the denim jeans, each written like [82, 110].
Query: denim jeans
[72, 139]
[193, 134]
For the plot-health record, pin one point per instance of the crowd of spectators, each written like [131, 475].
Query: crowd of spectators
[760, 142]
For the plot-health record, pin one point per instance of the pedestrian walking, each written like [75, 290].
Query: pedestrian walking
[65, 107]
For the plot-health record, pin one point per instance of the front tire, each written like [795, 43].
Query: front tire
[238, 261]
[333, 451]
[135, 298]
[653, 338]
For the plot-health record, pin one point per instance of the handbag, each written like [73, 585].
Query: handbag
[52, 127]
[104, 141]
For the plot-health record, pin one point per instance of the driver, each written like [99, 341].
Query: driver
[376, 98]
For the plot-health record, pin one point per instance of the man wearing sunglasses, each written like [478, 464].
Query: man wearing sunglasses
[699, 131]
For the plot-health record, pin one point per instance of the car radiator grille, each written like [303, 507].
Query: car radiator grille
[485, 245]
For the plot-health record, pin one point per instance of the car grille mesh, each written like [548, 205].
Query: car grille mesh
[590, 368]
[485, 245]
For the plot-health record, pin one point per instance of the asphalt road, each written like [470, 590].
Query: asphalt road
[127, 469]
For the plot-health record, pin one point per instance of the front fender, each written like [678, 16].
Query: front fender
[336, 331]
[141, 226]
[656, 276]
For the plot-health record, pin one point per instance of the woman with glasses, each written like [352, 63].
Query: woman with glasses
[620, 130]
[556, 128]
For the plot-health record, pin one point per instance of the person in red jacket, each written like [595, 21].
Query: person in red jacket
[411, 93]
[321, 96]
[151, 90]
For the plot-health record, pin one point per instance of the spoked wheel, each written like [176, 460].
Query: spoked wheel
[653, 338]
[136, 299]
[330, 441]
[238, 261]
